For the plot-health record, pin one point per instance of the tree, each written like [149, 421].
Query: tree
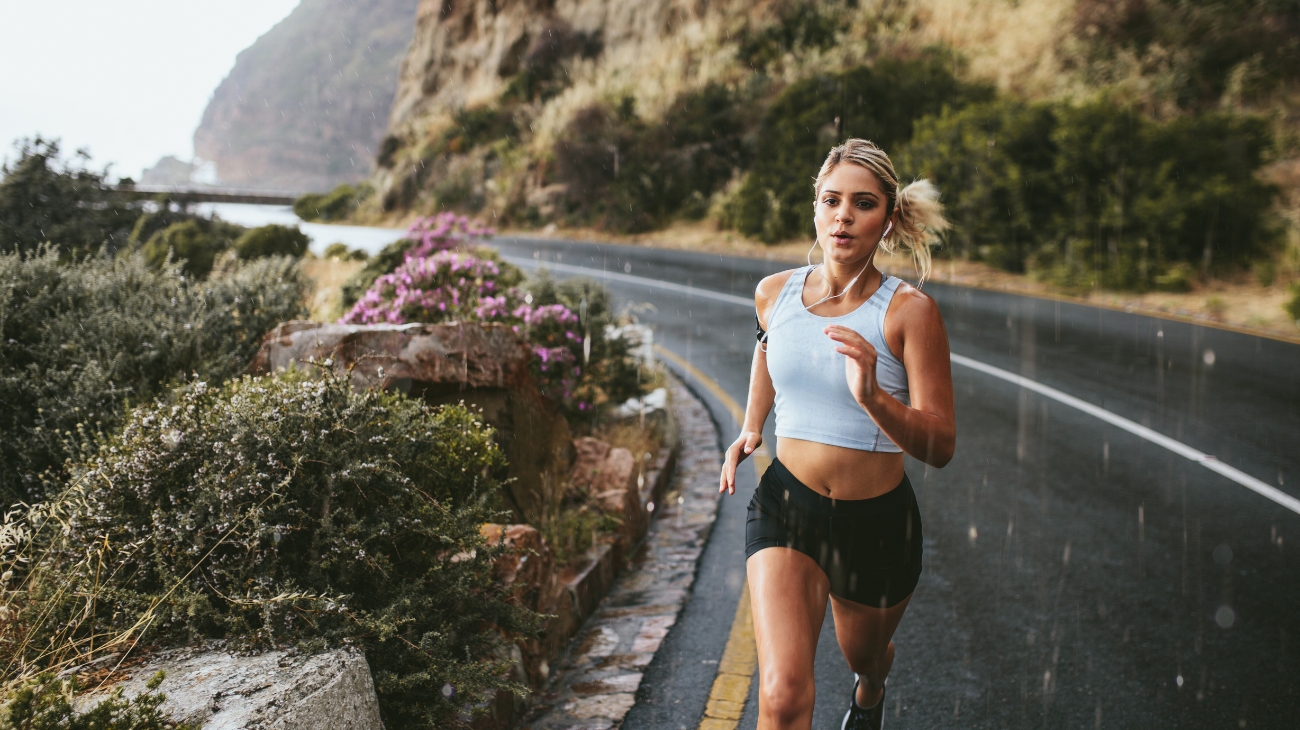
[44, 197]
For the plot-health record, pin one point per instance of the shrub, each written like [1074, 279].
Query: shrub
[44, 198]
[197, 242]
[78, 341]
[341, 252]
[1292, 306]
[626, 175]
[332, 206]
[446, 286]
[609, 374]
[45, 703]
[289, 510]
[799, 26]
[271, 240]
[878, 102]
[1097, 194]
[434, 233]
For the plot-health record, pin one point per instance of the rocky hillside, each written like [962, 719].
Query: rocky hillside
[306, 105]
[1130, 143]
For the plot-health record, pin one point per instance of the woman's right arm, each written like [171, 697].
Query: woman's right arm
[761, 392]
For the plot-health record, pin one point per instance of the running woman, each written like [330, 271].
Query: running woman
[855, 363]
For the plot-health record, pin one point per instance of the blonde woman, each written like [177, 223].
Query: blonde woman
[855, 364]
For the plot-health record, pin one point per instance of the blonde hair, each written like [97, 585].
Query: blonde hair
[920, 214]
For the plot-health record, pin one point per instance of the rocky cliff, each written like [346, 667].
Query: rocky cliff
[305, 106]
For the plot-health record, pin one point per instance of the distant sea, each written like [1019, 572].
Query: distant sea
[366, 238]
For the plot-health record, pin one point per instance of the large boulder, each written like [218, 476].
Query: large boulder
[219, 690]
[487, 366]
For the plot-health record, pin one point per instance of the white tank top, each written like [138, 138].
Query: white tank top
[813, 401]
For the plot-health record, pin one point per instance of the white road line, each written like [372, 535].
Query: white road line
[1137, 429]
[654, 283]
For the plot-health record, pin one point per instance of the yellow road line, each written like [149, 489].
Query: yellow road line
[740, 656]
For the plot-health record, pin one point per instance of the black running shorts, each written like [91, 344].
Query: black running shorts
[870, 549]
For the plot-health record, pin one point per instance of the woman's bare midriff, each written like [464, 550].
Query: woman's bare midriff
[834, 471]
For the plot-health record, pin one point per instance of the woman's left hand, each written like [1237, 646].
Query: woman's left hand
[859, 363]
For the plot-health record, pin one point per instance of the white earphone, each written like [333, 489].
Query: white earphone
[854, 280]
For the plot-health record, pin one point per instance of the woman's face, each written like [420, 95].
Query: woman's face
[850, 213]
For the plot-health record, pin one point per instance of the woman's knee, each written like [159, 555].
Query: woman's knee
[786, 696]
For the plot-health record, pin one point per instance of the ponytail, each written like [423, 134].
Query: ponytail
[920, 221]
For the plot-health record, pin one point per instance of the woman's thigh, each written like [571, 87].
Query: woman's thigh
[863, 631]
[787, 593]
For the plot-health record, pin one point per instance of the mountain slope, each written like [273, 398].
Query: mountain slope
[305, 105]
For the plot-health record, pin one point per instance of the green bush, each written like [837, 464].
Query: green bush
[79, 341]
[44, 198]
[45, 703]
[271, 240]
[196, 241]
[332, 206]
[1098, 194]
[878, 102]
[290, 510]
[1208, 46]
[610, 374]
[626, 175]
[1292, 306]
[798, 26]
[340, 252]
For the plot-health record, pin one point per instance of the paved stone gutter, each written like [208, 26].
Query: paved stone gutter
[595, 684]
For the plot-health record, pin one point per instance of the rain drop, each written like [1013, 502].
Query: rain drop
[627, 268]
[1179, 680]
[1208, 357]
[448, 690]
[1225, 617]
[972, 534]
[1223, 554]
[650, 507]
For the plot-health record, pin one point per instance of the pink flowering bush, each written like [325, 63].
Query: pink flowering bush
[552, 332]
[443, 232]
[438, 282]
[449, 285]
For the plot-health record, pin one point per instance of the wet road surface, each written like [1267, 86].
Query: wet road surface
[1076, 575]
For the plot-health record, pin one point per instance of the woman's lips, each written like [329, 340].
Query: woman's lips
[841, 237]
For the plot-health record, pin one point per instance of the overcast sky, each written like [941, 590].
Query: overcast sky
[126, 79]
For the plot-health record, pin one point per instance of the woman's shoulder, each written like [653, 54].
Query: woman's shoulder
[769, 290]
[911, 309]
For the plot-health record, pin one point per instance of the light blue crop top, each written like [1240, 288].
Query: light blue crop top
[813, 402]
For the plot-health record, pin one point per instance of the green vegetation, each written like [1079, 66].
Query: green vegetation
[287, 510]
[81, 340]
[45, 703]
[879, 102]
[610, 376]
[1097, 194]
[44, 198]
[341, 252]
[384, 262]
[1292, 306]
[272, 240]
[196, 243]
[332, 206]
[626, 175]
[1203, 51]
[798, 26]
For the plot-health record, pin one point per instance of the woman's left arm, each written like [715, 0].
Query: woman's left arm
[927, 430]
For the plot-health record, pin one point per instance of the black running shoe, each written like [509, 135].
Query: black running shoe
[860, 718]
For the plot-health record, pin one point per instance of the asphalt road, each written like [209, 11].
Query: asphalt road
[1076, 575]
